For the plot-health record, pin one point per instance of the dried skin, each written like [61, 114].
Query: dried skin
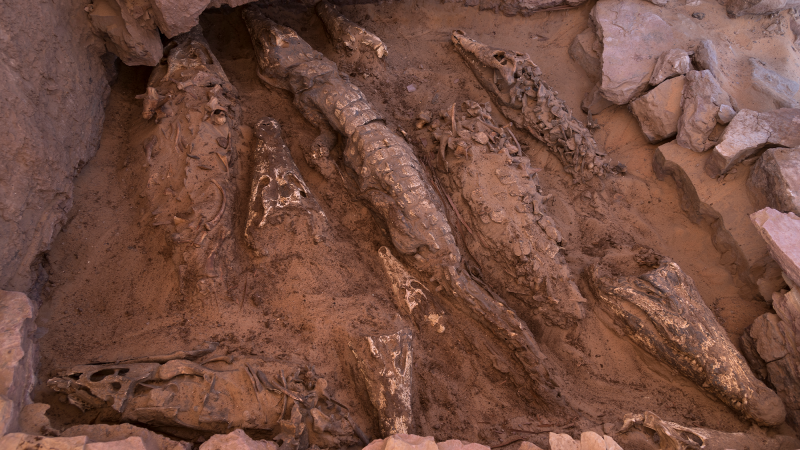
[181, 393]
[346, 34]
[385, 365]
[277, 187]
[499, 198]
[390, 179]
[515, 85]
[189, 186]
[663, 313]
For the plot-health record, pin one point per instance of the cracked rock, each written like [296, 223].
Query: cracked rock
[780, 231]
[670, 63]
[775, 180]
[748, 132]
[659, 110]
[774, 85]
[702, 99]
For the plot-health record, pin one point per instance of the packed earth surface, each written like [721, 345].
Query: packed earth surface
[112, 290]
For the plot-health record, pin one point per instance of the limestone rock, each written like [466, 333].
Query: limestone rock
[17, 356]
[670, 63]
[136, 42]
[726, 114]
[22, 441]
[750, 131]
[525, 445]
[659, 110]
[33, 420]
[774, 85]
[52, 116]
[702, 99]
[131, 443]
[176, 17]
[236, 440]
[736, 8]
[563, 442]
[592, 441]
[775, 338]
[722, 203]
[705, 58]
[781, 231]
[585, 50]
[109, 433]
[455, 444]
[633, 37]
[775, 180]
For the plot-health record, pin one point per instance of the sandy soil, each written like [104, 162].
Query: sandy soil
[113, 293]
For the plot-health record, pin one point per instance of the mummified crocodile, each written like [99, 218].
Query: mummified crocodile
[390, 179]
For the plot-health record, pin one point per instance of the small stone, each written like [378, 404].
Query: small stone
[702, 98]
[481, 138]
[562, 442]
[585, 50]
[592, 441]
[669, 64]
[698, 15]
[726, 114]
[411, 88]
[236, 440]
[659, 110]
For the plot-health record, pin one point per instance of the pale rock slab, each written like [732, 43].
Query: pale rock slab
[736, 8]
[455, 444]
[780, 89]
[236, 440]
[110, 433]
[22, 441]
[748, 132]
[17, 356]
[781, 231]
[136, 42]
[659, 110]
[585, 50]
[725, 206]
[633, 36]
[563, 442]
[705, 58]
[132, 443]
[702, 99]
[592, 441]
[775, 180]
[671, 63]
[525, 445]
[176, 17]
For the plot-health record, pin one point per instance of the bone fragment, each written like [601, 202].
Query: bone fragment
[385, 365]
[410, 295]
[514, 83]
[662, 312]
[277, 187]
[347, 34]
[187, 188]
[390, 179]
